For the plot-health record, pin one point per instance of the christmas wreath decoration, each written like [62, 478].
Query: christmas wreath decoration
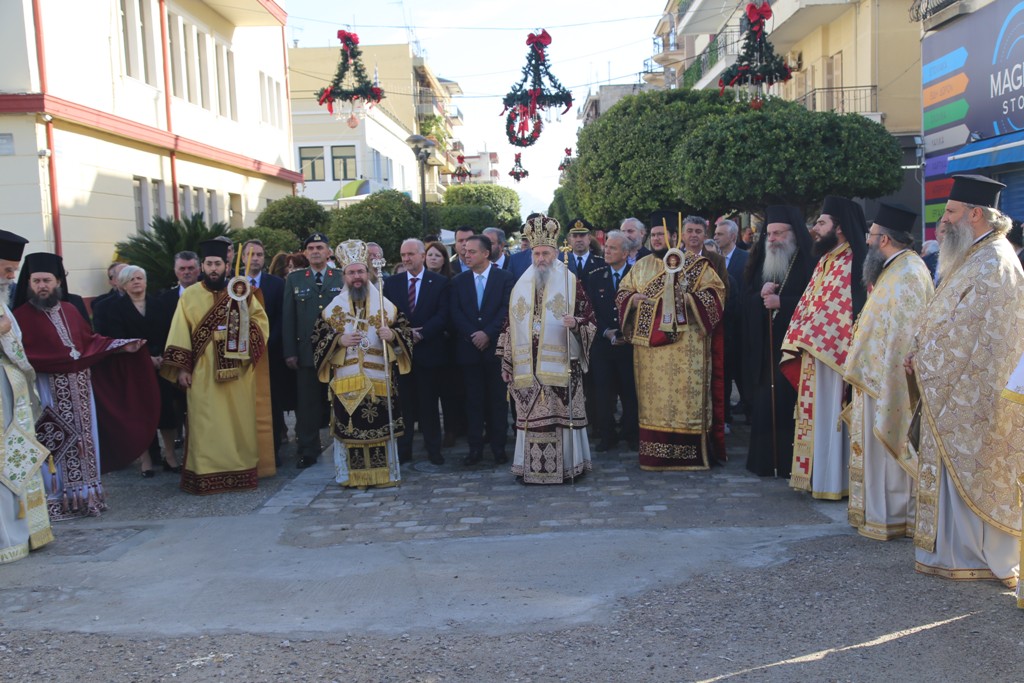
[461, 173]
[518, 172]
[351, 55]
[567, 160]
[530, 96]
[757, 63]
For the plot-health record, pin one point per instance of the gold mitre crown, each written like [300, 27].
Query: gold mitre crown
[542, 231]
[350, 252]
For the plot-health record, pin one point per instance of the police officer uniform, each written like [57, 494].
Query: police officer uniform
[306, 294]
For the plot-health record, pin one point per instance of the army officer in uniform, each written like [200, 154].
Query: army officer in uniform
[306, 293]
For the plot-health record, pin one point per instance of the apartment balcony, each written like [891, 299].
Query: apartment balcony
[708, 66]
[454, 115]
[700, 17]
[858, 100]
[653, 74]
[794, 20]
[667, 50]
[249, 12]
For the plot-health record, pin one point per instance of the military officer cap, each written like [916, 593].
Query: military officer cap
[580, 226]
[316, 237]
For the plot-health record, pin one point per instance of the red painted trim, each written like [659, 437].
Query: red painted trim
[51, 164]
[167, 104]
[139, 132]
[275, 11]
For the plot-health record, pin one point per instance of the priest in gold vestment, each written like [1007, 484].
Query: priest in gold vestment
[882, 469]
[970, 456]
[669, 305]
[545, 350]
[815, 347]
[360, 344]
[218, 335]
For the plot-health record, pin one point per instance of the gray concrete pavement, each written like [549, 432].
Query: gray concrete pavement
[626, 575]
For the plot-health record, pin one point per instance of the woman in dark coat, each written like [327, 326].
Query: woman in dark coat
[137, 315]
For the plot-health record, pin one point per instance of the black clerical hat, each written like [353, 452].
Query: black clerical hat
[316, 237]
[778, 213]
[976, 189]
[11, 246]
[833, 206]
[215, 248]
[43, 262]
[580, 226]
[896, 217]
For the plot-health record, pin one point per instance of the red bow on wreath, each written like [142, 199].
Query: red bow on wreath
[758, 15]
[539, 41]
[344, 36]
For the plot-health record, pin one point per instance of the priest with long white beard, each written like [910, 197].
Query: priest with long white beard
[545, 349]
[882, 468]
[970, 457]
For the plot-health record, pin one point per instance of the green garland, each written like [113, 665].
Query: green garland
[364, 89]
[757, 63]
[523, 124]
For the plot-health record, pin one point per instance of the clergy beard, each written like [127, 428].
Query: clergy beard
[215, 282]
[357, 295]
[826, 244]
[959, 238]
[44, 303]
[5, 291]
[540, 277]
[660, 253]
[777, 257]
[873, 263]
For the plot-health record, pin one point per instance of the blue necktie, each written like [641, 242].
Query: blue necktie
[615, 281]
[479, 291]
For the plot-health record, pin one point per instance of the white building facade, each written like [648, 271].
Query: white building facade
[116, 111]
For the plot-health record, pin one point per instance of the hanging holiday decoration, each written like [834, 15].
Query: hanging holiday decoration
[564, 166]
[757, 64]
[529, 97]
[461, 173]
[351, 56]
[518, 172]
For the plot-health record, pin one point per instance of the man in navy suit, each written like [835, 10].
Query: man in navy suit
[611, 358]
[462, 234]
[498, 256]
[726, 235]
[479, 306]
[270, 289]
[422, 296]
[635, 230]
[582, 262]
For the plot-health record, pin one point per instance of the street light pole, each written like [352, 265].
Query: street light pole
[421, 147]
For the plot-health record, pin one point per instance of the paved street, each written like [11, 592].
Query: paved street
[465, 575]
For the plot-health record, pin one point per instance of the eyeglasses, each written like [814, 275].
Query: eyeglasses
[875, 234]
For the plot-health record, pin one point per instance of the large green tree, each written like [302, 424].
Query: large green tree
[300, 215]
[503, 201]
[622, 167]
[386, 217]
[452, 216]
[783, 154]
[564, 206]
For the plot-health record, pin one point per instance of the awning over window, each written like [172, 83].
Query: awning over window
[998, 151]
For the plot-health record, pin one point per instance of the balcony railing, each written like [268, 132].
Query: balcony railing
[922, 9]
[725, 43]
[857, 100]
[665, 43]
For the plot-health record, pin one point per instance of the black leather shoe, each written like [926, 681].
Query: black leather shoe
[472, 459]
[167, 468]
[305, 462]
[437, 459]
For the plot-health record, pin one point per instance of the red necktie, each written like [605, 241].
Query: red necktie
[412, 293]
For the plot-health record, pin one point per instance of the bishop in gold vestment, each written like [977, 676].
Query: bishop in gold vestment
[970, 457]
[217, 336]
[882, 469]
[669, 314]
[359, 342]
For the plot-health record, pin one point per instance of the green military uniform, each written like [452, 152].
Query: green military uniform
[304, 300]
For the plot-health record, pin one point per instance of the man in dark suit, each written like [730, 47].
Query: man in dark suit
[581, 261]
[462, 234]
[270, 290]
[726, 235]
[422, 296]
[611, 357]
[498, 256]
[636, 231]
[186, 270]
[479, 306]
[307, 291]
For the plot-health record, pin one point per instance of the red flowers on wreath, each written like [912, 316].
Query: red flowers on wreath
[567, 160]
[461, 173]
[518, 172]
[530, 96]
[336, 90]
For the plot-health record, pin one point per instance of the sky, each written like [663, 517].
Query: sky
[481, 44]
